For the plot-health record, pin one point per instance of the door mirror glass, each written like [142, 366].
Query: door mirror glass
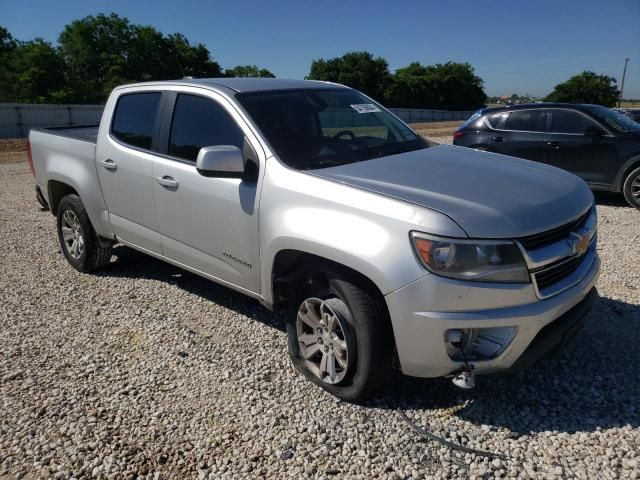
[224, 161]
[593, 131]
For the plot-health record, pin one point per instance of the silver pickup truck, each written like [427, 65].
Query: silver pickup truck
[389, 253]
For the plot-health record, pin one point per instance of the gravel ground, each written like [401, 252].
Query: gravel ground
[143, 370]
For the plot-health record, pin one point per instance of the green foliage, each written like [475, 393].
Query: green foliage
[40, 72]
[248, 71]
[94, 55]
[587, 87]
[29, 71]
[7, 66]
[446, 86]
[359, 70]
[105, 51]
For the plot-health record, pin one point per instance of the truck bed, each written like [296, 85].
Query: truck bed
[86, 133]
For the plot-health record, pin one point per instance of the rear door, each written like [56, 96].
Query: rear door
[519, 133]
[208, 224]
[124, 162]
[590, 157]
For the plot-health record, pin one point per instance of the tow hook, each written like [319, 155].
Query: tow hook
[465, 378]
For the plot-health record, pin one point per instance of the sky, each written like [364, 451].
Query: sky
[515, 46]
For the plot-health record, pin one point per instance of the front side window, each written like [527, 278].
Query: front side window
[316, 128]
[566, 121]
[200, 122]
[134, 118]
[613, 119]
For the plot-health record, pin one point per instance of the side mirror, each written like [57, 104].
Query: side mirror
[224, 161]
[593, 131]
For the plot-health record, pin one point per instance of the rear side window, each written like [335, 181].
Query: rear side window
[566, 121]
[134, 118]
[497, 120]
[200, 122]
[526, 120]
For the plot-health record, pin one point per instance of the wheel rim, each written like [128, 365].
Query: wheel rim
[635, 187]
[322, 341]
[72, 234]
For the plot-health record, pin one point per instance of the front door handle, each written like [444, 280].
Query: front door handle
[167, 181]
[109, 164]
[497, 139]
[554, 144]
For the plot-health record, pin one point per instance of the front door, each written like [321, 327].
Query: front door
[590, 157]
[208, 224]
[125, 164]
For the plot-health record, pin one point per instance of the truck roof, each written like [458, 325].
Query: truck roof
[246, 84]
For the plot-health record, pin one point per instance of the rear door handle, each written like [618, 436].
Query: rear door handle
[497, 139]
[554, 144]
[167, 181]
[109, 164]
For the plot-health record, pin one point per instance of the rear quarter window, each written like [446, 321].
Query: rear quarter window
[134, 118]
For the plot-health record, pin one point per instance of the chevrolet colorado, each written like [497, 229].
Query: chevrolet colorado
[388, 252]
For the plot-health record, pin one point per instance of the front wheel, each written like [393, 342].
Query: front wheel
[339, 338]
[631, 188]
[78, 240]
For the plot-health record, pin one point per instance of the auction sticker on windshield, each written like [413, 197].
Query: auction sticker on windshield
[365, 108]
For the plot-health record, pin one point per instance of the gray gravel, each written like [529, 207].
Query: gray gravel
[146, 371]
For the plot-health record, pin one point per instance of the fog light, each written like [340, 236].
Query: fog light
[478, 343]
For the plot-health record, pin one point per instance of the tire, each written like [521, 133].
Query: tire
[78, 240]
[631, 188]
[366, 332]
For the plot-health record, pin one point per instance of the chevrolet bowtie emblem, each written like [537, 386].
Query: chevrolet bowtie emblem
[578, 243]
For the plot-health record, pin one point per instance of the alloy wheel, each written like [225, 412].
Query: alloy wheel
[72, 234]
[322, 341]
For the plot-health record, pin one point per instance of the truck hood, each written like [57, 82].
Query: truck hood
[488, 195]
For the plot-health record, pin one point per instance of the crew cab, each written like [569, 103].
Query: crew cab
[387, 252]
[600, 145]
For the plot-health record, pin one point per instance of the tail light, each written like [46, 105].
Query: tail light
[30, 158]
[457, 134]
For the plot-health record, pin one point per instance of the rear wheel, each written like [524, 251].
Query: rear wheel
[631, 188]
[339, 338]
[79, 242]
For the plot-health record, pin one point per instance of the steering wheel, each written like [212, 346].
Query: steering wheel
[345, 132]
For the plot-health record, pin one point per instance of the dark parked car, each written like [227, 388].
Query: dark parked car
[596, 143]
[632, 113]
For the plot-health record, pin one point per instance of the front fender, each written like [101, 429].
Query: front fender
[362, 230]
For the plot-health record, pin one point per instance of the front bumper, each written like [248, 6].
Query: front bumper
[423, 311]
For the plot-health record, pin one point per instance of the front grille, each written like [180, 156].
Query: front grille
[551, 275]
[551, 236]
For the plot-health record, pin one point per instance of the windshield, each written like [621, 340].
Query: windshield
[318, 128]
[613, 119]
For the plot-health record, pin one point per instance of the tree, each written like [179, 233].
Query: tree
[8, 80]
[359, 70]
[40, 72]
[195, 60]
[411, 87]
[248, 71]
[587, 87]
[29, 71]
[451, 86]
[103, 51]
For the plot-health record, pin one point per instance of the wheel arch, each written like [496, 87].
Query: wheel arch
[56, 191]
[291, 266]
[625, 170]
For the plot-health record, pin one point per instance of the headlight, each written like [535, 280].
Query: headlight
[477, 260]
